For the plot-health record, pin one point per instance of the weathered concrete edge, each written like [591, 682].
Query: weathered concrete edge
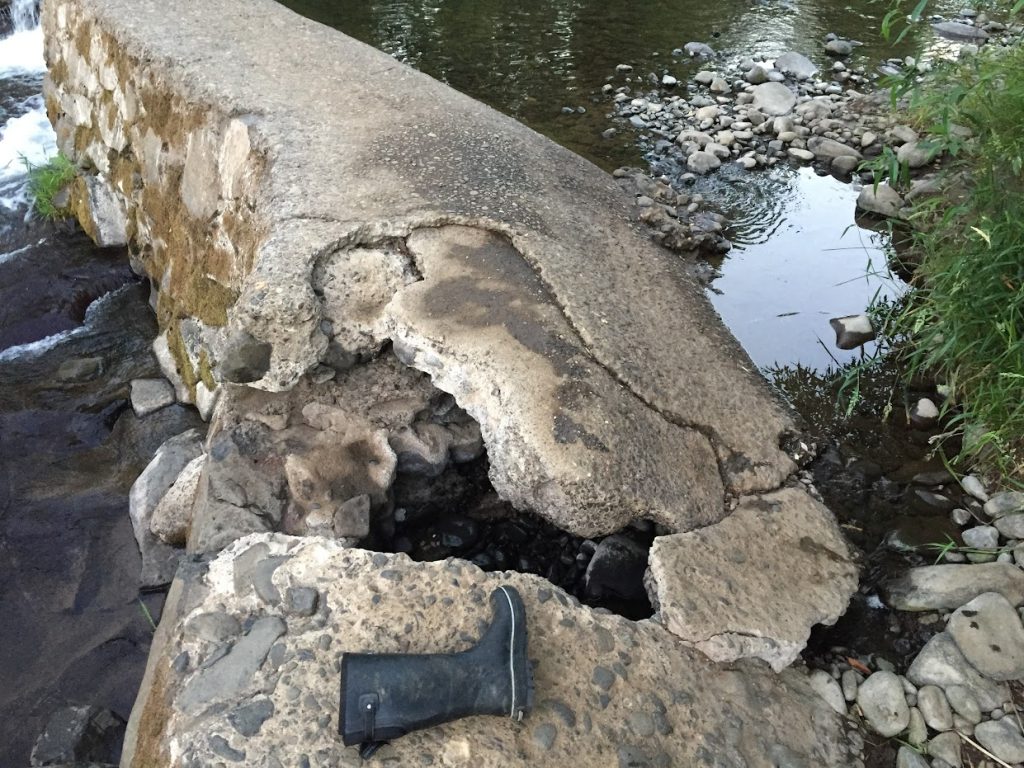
[703, 386]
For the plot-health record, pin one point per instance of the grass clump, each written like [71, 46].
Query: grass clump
[46, 181]
[963, 322]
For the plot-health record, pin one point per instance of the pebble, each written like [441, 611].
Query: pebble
[924, 413]
[881, 700]
[964, 704]
[1011, 526]
[984, 537]
[917, 730]
[301, 601]
[973, 486]
[603, 677]
[909, 758]
[941, 663]
[825, 686]
[1002, 738]
[850, 680]
[946, 747]
[960, 516]
[1005, 503]
[935, 708]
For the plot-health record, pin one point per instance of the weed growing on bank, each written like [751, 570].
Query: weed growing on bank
[963, 323]
[46, 181]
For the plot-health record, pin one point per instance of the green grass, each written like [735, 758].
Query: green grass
[46, 181]
[963, 324]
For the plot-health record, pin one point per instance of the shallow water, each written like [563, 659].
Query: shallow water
[799, 258]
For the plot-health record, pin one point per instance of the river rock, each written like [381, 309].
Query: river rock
[1011, 526]
[845, 165]
[699, 50]
[172, 516]
[825, 686]
[964, 704]
[757, 74]
[959, 31]
[881, 699]
[160, 560]
[150, 395]
[802, 155]
[946, 747]
[839, 47]
[702, 162]
[795, 64]
[984, 538]
[973, 486]
[1002, 738]
[917, 729]
[924, 414]
[915, 154]
[761, 618]
[773, 99]
[79, 734]
[934, 587]
[1004, 503]
[988, 632]
[852, 331]
[827, 149]
[578, 671]
[942, 664]
[909, 758]
[882, 200]
[935, 708]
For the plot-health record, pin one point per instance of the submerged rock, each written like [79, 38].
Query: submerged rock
[604, 685]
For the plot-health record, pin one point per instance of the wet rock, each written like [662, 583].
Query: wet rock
[838, 47]
[988, 632]
[616, 569]
[1002, 738]
[933, 587]
[942, 664]
[773, 99]
[924, 414]
[852, 331]
[1004, 503]
[159, 560]
[79, 733]
[173, 514]
[702, 162]
[935, 708]
[956, 30]
[688, 572]
[802, 155]
[845, 165]
[826, 687]
[795, 64]
[565, 642]
[699, 50]
[149, 395]
[882, 200]
[881, 699]
[946, 747]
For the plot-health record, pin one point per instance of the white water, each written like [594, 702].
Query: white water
[28, 136]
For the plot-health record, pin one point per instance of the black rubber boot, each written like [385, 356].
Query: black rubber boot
[384, 696]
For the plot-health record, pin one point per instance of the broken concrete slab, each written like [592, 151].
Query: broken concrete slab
[556, 424]
[720, 588]
[606, 688]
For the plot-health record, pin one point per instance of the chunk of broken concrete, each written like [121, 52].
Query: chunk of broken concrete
[770, 603]
[172, 516]
[668, 706]
[852, 331]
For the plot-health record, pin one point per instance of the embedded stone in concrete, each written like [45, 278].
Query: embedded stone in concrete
[941, 663]
[101, 211]
[555, 423]
[934, 587]
[716, 588]
[988, 632]
[662, 704]
[159, 560]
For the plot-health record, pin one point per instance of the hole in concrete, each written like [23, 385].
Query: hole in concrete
[454, 511]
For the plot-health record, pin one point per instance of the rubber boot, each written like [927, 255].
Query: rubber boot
[384, 696]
